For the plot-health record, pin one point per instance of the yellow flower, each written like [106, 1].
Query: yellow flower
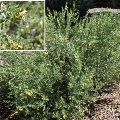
[21, 14]
[3, 46]
[15, 46]
[11, 42]
[46, 53]
[20, 47]
[117, 35]
[29, 93]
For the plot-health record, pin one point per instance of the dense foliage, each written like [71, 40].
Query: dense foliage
[78, 62]
[21, 25]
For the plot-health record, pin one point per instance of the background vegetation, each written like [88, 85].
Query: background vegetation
[24, 32]
[60, 83]
[81, 5]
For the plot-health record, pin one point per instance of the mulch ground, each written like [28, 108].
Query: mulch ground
[107, 107]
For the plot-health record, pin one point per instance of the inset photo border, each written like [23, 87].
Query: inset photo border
[22, 25]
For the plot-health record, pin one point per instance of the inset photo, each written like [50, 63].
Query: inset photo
[22, 25]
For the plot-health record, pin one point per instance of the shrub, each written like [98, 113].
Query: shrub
[79, 61]
[81, 5]
[19, 31]
[99, 36]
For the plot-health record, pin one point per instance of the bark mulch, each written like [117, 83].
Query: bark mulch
[107, 107]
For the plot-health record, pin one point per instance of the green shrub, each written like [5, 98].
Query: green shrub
[81, 5]
[100, 42]
[19, 31]
[78, 62]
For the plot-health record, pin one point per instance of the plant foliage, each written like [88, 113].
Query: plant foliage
[79, 61]
[21, 25]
